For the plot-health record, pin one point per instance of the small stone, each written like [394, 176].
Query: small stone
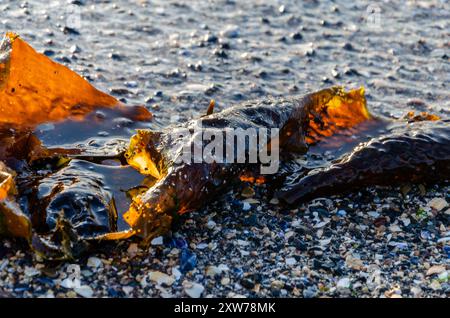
[161, 278]
[132, 250]
[31, 271]
[201, 246]
[435, 269]
[176, 273]
[353, 262]
[70, 283]
[225, 281]
[296, 36]
[71, 294]
[75, 49]
[343, 283]
[94, 262]
[242, 243]
[310, 292]
[290, 261]
[406, 221]
[84, 291]
[127, 289]
[416, 291]
[230, 31]
[211, 224]
[71, 31]
[438, 204]
[212, 271]
[443, 277]
[435, 285]
[274, 201]
[188, 260]
[373, 214]
[394, 228]
[193, 290]
[247, 283]
[157, 241]
[248, 192]
[277, 284]
[405, 189]
[246, 206]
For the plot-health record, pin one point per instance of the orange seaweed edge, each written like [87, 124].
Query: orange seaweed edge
[34, 89]
[340, 111]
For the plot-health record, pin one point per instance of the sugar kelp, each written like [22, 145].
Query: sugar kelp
[59, 180]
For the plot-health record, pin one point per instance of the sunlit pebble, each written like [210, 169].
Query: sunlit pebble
[74, 49]
[103, 134]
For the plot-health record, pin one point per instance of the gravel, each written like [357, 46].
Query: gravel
[312, 250]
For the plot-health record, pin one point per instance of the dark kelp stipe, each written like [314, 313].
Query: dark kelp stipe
[63, 193]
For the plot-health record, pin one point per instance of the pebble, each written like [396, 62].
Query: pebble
[274, 201]
[246, 206]
[406, 221]
[225, 281]
[373, 214]
[157, 241]
[310, 292]
[290, 261]
[31, 271]
[212, 271]
[343, 283]
[132, 249]
[94, 262]
[296, 36]
[248, 192]
[230, 31]
[395, 228]
[176, 273]
[353, 262]
[188, 260]
[437, 204]
[193, 290]
[75, 49]
[70, 283]
[211, 224]
[127, 290]
[435, 269]
[84, 291]
[161, 278]
[435, 285]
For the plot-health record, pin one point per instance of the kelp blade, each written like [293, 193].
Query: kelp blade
[34, 89]
[327, 112]
[12, 221]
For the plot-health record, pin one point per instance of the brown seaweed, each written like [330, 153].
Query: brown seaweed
[408, 153]
[61, 191]
[49, 126]
[182, 187]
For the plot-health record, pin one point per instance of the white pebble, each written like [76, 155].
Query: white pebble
[157, 241]
[94, 262]
[194, 290]
[84, 291]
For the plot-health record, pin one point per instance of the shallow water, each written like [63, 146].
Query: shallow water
[174, 56]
